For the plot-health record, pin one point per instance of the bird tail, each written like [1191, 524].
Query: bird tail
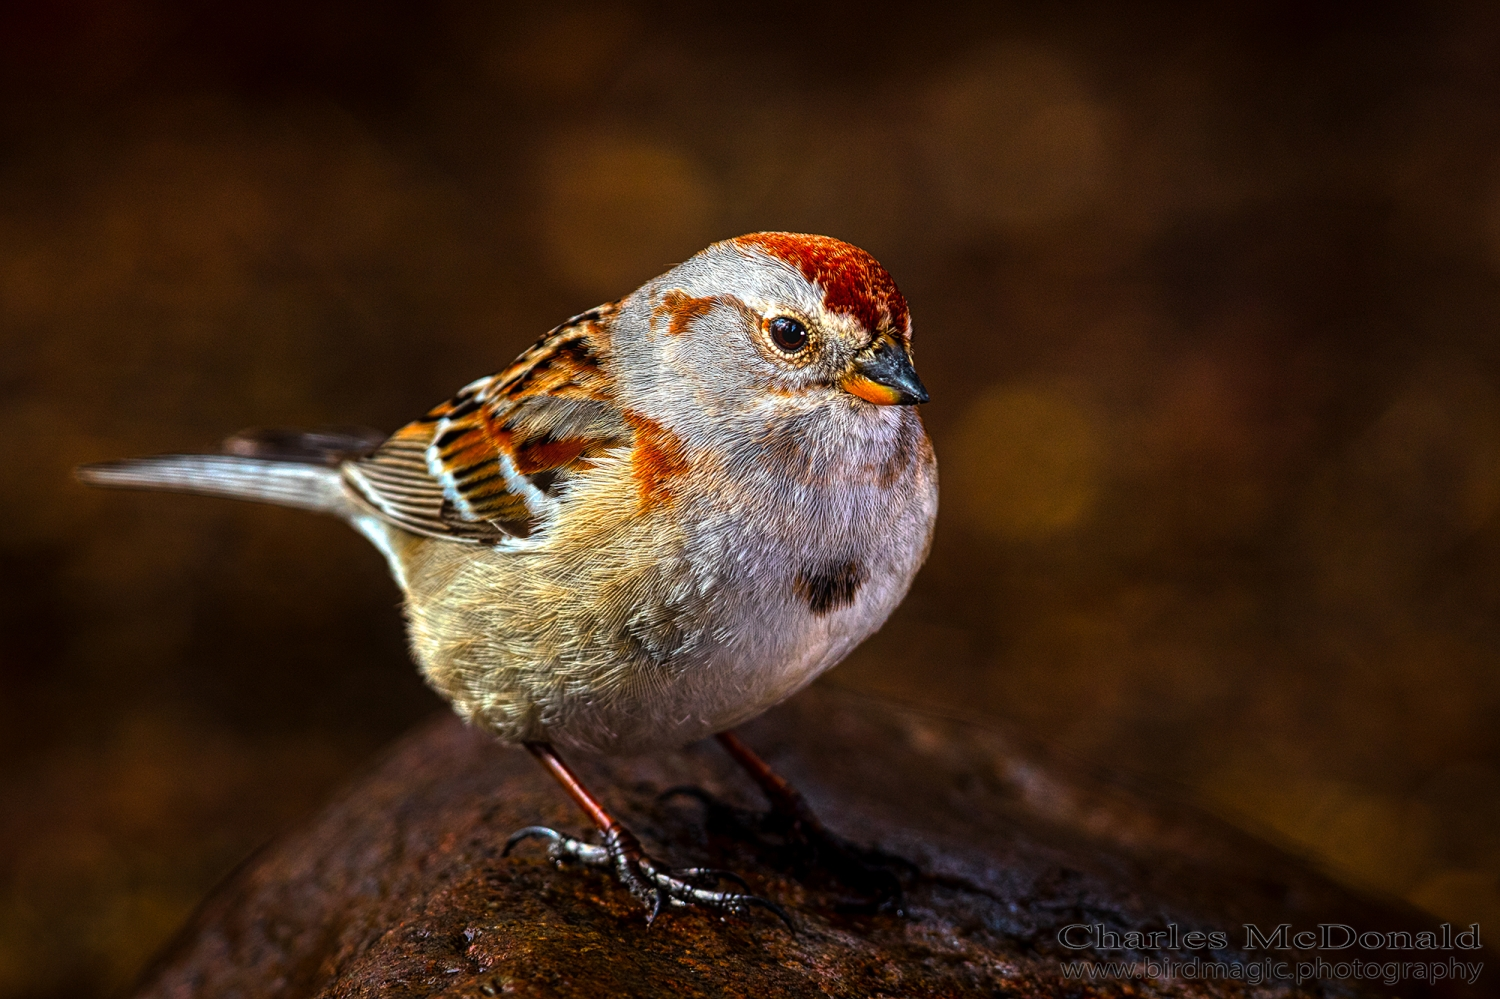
[286, 468]
[307, 487]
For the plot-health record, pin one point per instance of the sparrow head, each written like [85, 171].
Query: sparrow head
[791, 321]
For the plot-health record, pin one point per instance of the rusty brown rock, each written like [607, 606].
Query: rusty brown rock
[398, 887]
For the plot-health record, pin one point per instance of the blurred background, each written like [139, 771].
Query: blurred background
[1207, 299]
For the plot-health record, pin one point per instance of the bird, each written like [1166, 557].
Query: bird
[671, 513]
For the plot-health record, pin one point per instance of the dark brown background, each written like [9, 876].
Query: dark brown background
[1207, 301]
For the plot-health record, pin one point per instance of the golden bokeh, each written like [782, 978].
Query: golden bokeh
[1016, 138]
[616, 212]
[1025, 464]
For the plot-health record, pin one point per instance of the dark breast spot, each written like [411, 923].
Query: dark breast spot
[830, 587]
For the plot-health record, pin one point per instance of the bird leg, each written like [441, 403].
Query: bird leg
[649, 880]
[785, 799]
[810, 843]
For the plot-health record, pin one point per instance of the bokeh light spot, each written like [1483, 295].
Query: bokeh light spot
[616, 213]
[1436, 451]
[1025, 463]
[562, 53]
[1016, 138]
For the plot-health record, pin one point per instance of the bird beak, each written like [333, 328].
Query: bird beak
[882, 373]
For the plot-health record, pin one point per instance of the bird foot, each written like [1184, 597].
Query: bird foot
[806, 846]
[649, 880]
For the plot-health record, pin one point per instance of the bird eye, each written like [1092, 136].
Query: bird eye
[787, 333]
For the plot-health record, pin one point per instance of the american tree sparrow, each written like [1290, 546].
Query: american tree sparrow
[668, 515]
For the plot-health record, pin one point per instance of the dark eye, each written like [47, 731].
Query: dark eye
[788, 334]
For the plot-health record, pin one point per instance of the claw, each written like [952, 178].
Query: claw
[656, 902]
[530, 832]
[560, 847]
[771, 906]
[652, 882]
[716, 874]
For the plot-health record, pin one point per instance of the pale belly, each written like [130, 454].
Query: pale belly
[622, 633]
[660, 659]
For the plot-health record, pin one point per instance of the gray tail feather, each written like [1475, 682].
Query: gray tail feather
[304, 486]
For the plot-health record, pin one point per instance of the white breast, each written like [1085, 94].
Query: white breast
[624, 632]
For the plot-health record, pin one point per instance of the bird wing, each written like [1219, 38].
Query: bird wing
[493, 461]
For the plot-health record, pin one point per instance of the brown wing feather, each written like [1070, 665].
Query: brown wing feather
[488, 463]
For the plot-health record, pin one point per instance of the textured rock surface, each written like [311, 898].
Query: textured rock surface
[398, 888]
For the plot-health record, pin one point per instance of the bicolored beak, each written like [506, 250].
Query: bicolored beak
[882, 373]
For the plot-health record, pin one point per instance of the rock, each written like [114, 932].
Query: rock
[398, 888]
